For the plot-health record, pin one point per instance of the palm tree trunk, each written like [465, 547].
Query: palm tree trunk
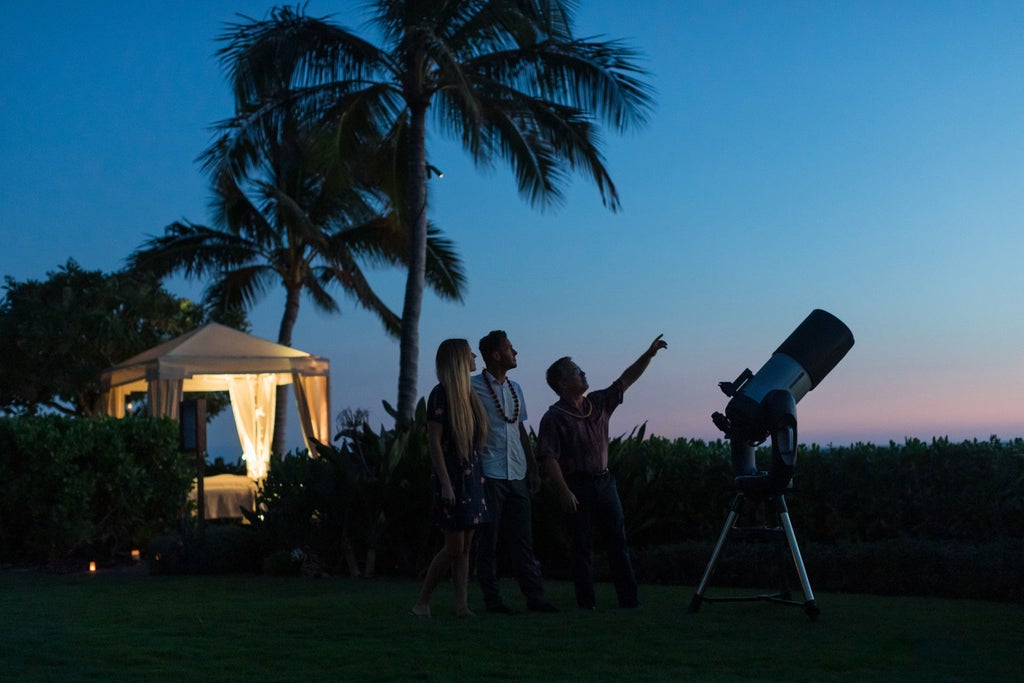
[284, 337]
[416, 216]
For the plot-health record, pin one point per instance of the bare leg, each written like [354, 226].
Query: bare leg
[460, 576]
[439, 566]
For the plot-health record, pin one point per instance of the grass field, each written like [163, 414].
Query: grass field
[121, 625]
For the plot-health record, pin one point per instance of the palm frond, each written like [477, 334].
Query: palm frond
[384, 241]
[445, 273]
[190, 249]
[261, 56]
[313, 286]
[507, 130]
[240, 287]
[347, 273]
[293, 220]
[233, 212]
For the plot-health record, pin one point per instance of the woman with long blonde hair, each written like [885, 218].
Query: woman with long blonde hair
[456, 430]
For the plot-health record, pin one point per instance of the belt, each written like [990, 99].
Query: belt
[588, 475]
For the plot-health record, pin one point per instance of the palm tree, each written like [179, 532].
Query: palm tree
[282, 215]
[507, 78]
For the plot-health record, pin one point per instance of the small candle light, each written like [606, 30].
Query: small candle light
[135, 554]
[92, 566]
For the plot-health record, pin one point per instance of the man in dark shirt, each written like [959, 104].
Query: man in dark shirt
[573, 446]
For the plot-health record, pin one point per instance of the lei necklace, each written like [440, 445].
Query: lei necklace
[590, 409]
[501, 411]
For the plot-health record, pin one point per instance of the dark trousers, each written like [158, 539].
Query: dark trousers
[601, 508]
[511, 510]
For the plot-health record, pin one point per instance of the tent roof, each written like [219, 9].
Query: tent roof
[213, 349]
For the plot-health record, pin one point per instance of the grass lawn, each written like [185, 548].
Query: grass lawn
[121, 625]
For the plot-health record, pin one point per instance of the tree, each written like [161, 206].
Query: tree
[507, 78]
[57, 336]
[286, 214]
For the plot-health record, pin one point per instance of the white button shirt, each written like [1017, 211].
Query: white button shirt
[502, 456]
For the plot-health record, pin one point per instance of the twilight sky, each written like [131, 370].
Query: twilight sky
[862, 157]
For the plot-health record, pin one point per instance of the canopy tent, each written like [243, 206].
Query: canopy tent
[218, 358]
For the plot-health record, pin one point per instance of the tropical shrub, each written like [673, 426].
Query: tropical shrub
[390, 472]
[973, 491]
[939, 519]
[669, 487]
[75, 486]
[215, 549]
[367, 496]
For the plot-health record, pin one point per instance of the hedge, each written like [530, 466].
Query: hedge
[931, 518]
[75, 486]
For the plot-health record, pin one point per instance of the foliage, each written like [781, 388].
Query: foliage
[667, 486]
[389, 473]
[973, 491]
[677, 492]
[991, 570]
[57, 336]
[297, 504]
[368, 493]
[509, 80]
[216, 549]
[934, 519]
[220, 466]
[938, 519]
[287, 214]
[98, 486]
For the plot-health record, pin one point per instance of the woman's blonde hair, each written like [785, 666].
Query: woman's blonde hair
[454, 363]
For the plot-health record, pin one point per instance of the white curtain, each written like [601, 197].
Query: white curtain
[164, 397]
[311, 396]
[112, 402]
[253, 399]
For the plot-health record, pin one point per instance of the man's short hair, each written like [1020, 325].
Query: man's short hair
[491, 343]
[558, 371]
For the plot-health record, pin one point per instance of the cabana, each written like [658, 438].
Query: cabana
[218, 358]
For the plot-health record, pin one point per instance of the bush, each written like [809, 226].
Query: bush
[668, 487]
[973, 491]
[224, 549]
[938, 519]
[366, 497]
[979, 571]
[921, 518]
[217, 549]
[87, 485]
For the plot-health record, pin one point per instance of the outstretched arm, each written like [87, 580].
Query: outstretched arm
[633, 372]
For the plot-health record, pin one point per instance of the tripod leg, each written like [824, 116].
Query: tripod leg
[729, 521]
[805, 583]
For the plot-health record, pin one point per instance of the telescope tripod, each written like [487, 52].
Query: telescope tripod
[776, 503]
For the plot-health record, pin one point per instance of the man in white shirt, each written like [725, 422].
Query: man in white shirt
[511, 476]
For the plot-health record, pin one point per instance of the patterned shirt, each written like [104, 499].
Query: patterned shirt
[578, 439]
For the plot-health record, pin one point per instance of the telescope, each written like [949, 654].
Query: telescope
[763, 406]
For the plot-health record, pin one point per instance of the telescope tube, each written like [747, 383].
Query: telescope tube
[803, 359]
